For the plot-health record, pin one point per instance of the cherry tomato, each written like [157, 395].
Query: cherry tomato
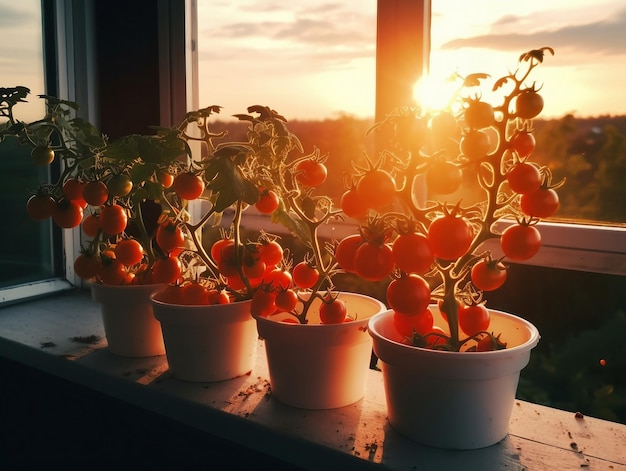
[165, 179]
[304, 275]
[271, 253]
[450, 236]
[520, 242]
[541, 203]
[268, 202]
[443, 177]
[376, 189]
[406, 325]
[528, 104]
[310, 173]
[91, 225]
[170, 294]
[333, 311]
[523, 142]
[352, 206]
[95, 193]
[169, 236]
[217, 248]
[129, 252]
[524, 177]
[120, 185]
[474, 319]
[68, 214]
[286, 300]
[373, 262]
[112, 272]
[253, 266]
[278, 278]
[263, 303]
[412, 253]
[436, 336]
[475, 145]
[345, 252]
[87, 266]
[42, 155]
[113, 219]
[40, 207]
[73, 190]
[478, 114]
[194, 294]
[488, 275]
[408, 295]
[166, 270]
[188, 186]
[218, 296]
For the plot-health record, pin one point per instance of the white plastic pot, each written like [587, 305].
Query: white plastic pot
[129, 324]
[207, 343]
[454, 400]
[320, 366]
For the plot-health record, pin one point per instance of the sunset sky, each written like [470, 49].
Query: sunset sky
[312, 60]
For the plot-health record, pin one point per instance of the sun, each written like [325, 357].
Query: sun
[434, 93]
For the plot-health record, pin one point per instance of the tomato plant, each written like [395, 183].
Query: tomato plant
[478, 114]
[475, 144]
[333, 311]
[520, 242]
[310, 172]
[443, 177]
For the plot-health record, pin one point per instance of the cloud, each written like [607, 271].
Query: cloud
[601, 37]
[11, 17]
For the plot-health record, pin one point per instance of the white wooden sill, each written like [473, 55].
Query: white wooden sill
[39, 333]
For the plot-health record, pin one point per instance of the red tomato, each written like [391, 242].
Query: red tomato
[437, 336]
[170, 294]
[268, 202]
[443, 177]
[40, 207]
[412, 253]
[68, 214]
[188, 186]
[406, 325]
[73, 190]
[169, 236]
[278, 278]
[528, 104]
[113, 219]
[263, 303]
[218, 247]
[475, 145]
[376, 189]
[522, 142]
[345, 252]
[408, 295]
[541, 203]
[310, 172]
[194, 294]
[304, 275]
[87, 266]
[474, 319]
[478, 114]
[286, 300]
[524, 178]
[520, 242]
[166, 270]
[352, 206]
[165, 179]
[91, 225]
[95, 193]
[112, 272]
[271, 253]
[333, 311]
[488, 275]
[129, 252]
[373, 262]
[450, 237]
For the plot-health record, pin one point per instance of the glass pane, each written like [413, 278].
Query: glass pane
[581, 133]
[25, 245]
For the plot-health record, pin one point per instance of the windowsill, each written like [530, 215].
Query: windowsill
[39, 334]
